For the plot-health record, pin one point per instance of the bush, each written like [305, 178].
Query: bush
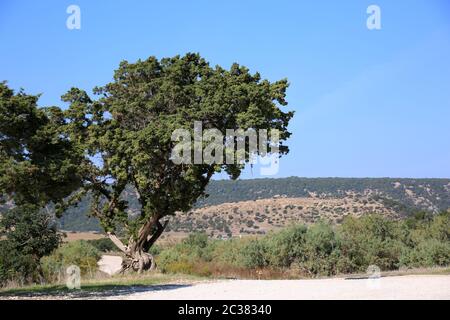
[230, 252]
[430, 253]
[16, 266]
[320, 252]
[320, 249]
[284, 247]
[29, 235]
[103, 245]
[254, 255]
[79, 253]
[182, 256]
[370, 240]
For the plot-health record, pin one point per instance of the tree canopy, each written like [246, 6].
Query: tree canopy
[38, 164]
[126, 135]
[38, 167]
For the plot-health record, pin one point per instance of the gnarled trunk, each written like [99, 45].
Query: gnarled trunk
[136, 255]
[138, 262]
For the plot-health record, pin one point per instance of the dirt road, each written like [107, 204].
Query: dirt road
[400, 287]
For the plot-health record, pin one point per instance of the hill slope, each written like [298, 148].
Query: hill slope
[231, 208]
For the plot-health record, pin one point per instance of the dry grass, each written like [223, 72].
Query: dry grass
[74, 236]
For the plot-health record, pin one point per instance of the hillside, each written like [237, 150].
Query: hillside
[258, 205]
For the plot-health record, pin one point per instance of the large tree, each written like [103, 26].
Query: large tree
[38, 164]
[126, 134]
[38, 167]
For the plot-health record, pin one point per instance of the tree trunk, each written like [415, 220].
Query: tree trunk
[137, 258]
[138, 262]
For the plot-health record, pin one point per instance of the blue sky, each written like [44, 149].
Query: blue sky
[369, 103]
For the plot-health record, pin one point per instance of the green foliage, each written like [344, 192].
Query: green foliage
[38, 164]
[103, 245]
[320, 252]
[80, 253]
[130, 128]
[278, 249]
[428, 241]
[29, 236]
[321, 249]
[370, 240]
[429, 253]
[184, 255]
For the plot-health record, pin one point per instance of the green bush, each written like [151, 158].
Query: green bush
[253, 254]
[428, 241]
[284, 247]
[196, 247]
[80, 253]
[229, 252]
[370, 240]
[321, 248]
[16, 266]
[430, 253]
[28, 234]
[320, 252]
[103, 245]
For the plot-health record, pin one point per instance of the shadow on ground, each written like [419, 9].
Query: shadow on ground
[88, 291]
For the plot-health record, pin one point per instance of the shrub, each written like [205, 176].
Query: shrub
[230, 252]
[253, 254]
[284, 247]
[195, 248]
[429, 253]
[103, 245]
[80, 253]
[320, 250]
[16, 266]
[29, 235]
[370, 240]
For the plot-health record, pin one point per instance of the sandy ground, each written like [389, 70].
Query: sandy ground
[394, 287]
[400, 287]
[110, 264]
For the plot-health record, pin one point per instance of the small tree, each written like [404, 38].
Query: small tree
[127, 132]
[31, 234]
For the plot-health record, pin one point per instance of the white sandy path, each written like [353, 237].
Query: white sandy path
[400, 287]
[110, 264]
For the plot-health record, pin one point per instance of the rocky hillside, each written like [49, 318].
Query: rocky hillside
[426, 194]
[260, 216]
[258, 205]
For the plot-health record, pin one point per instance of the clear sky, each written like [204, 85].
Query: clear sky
[369, 103]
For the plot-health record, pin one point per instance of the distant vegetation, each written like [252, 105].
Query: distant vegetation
[402, 196]
[430, 193]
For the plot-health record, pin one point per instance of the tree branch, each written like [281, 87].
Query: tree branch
[119, 244]
[160, 229]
